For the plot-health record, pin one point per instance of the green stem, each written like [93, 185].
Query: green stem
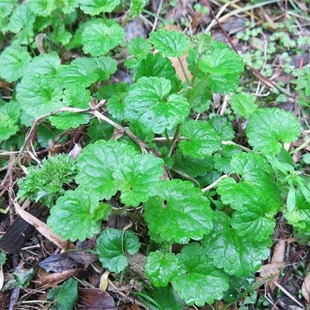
[125, 22]
[183, 70]
[195, 73]
[154, 15]
[203, 80]
[195, 89]
[119, 211]
[31, 49]
[167, 136]
[174, 140]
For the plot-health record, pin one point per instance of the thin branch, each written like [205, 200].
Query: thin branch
[235, 144]
[92, 111]
[157, 15]
[214, 183]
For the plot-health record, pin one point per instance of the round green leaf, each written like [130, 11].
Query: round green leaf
[99, 38]
[170, 43]
[116, 107]
[222, 159]
[202, 139]
[60, 34]
[231, 252]
[98, 163]
[115, 94]
[112, 245]
[139, 47]
[251, 222]
[13, 61]
[44, 64]
[222, 127]
[202, 43]
[42, 7]
[74, 97]
[243, 104]
[179, 212]
[268, 127]
[137, 178]
[192, 166]
[81, 72]
[65, 296]
[199, 275]
[7, 132]
[146, 103]
[39, 95]
[77, 215]
[159, 66]
[106, 67]
[299, 217]
[136, 8]
[68, 6]
[9, 115]
[168, 298]
[224, 67]
[6, 7]
[121, 168]
[95, 7]
[257, 181]
[221, 60]
[22, 19]
[161, 268]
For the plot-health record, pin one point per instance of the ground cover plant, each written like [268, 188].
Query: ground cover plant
[149, 157]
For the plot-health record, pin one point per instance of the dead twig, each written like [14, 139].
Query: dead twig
[39, 225]
[93, 110]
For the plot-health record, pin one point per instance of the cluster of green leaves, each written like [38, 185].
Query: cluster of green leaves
[47, 182]
[225, 232]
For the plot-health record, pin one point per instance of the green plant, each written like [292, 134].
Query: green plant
[194, 186]
[46, 183]
[65, 296]
[303, 83]
[267, 51]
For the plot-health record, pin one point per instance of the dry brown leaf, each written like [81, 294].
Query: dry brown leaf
[104, 280]
[277, 257]
[59, 263]
[53, 279]
[41, 227]
[305, 289]
[270, 269]
[275, 265]
[279, 252]
[197, 19]
[93, 299]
